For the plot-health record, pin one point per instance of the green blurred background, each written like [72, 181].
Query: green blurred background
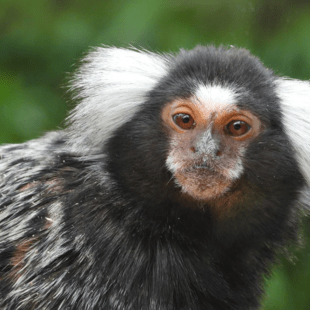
[41, 40]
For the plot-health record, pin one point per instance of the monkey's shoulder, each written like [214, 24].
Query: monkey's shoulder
[48, 199]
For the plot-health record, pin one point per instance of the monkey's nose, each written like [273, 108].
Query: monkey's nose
[207, 144]
[217, 152]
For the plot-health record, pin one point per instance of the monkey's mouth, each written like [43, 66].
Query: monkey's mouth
[203, 166]
[203, 178]
[206, 167]
[203, 184]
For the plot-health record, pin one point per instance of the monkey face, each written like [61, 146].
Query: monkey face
[209, 135]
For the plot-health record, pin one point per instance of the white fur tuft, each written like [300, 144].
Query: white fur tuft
[111, 85]
[217, 97]
[295, 104]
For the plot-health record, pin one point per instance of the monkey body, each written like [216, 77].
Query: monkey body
[119, 216]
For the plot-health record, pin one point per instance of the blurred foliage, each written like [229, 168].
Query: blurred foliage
[41, 40]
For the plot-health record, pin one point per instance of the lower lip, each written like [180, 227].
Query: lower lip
[202, 167]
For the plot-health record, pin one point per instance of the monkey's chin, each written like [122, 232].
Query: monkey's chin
[203, 187]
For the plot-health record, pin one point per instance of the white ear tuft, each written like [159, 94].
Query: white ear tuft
[295, 104]
[111, 84]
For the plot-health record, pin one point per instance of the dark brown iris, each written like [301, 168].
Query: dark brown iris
[184, 121]
[237, 128]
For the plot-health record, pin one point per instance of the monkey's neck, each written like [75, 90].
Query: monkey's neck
[175, 258]
[167, 253]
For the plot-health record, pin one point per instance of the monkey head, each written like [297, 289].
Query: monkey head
[212, 129]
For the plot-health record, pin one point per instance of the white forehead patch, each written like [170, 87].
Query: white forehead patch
[216, 97]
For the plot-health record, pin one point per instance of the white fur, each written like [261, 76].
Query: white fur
[236, 172]
[295, 103]
[171, 164]
[216, 97]
[111, 84]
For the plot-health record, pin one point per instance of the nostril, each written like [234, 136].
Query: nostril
[219, 153]
[193, 149]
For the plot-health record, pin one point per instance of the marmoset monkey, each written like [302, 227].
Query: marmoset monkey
[175, 183]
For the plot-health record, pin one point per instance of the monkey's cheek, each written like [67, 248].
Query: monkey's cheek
[202, 187]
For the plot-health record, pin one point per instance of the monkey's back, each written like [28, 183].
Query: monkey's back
[32, 237]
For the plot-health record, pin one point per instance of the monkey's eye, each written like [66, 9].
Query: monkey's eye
[185, 121]
[237, 128]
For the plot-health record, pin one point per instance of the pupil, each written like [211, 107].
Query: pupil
[237, 126]
[185, 119]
